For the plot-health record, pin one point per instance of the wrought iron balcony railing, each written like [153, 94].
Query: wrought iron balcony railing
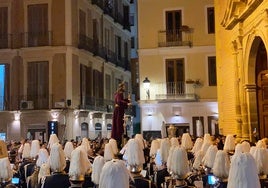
[176, 37]
[96, 104]
[174, 91]
[97, 49]
[44, 102]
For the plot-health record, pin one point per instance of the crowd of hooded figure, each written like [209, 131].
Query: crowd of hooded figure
[160, 163]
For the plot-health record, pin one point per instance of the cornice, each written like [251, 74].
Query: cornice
[178, 50]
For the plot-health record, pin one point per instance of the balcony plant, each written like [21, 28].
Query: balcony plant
[196, 83]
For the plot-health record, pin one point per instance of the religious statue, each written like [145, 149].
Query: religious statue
[121, 104]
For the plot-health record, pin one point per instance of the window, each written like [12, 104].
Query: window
[175, 76]
[3, 27]
[212, 74]
[85, 81]
[118, 47]
[107, 42]
[97, 84]
[4, 86]
[126, 52]
[132, 42]
[108, 91]
[173, 25]
[82, 23]
[211, 20]
[38, 34]
[38, 84]
[131, 19]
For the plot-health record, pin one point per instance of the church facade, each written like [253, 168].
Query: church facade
[242, 69]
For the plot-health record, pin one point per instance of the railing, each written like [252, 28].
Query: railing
[96, 104]
[32, 39]
[175, 37]
[112, 12]
[174, 91]
[43, 102]
[97, 49]
[5, 41]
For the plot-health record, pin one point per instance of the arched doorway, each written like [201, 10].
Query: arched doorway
[261, 77]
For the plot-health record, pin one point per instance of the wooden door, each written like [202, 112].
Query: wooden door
[262, 86]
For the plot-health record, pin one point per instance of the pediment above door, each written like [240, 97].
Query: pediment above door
[237, 11]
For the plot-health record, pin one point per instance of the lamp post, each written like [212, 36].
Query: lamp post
[146, 85]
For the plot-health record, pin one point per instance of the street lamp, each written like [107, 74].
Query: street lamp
[146, 85]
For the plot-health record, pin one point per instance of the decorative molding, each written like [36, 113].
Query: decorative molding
[237, 11]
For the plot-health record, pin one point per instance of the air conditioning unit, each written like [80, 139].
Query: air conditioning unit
[59, 105]
[26, 105]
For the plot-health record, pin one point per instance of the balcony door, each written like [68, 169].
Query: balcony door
[173, 25]
[38, 90]
[38, 34]
[175, 76]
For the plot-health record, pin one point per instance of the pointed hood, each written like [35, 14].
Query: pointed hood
[108, 152]
[164, 149]
[57, 160]
[180, 164]
[26, 153]
[114, 146]
[243, 172]
[229, 144]
[134, 152]
[186, 141]
[6, 171]
[53, 138]
[79, 164]
[197, 145]
[68, 148]
[42, 157]
[97, 166]
[198, 160]
[114, 174]
[221, 165]
[155, 145]
[210, 155]
[35, 147]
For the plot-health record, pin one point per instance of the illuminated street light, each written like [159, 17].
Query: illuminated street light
[146, 85]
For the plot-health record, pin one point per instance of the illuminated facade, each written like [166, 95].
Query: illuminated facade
[63, 61]
[241, 40]
[177, 55]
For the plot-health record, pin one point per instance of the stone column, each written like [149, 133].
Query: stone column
[252, 116]
[237, 53]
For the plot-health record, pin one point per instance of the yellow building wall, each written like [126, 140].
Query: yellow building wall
[151, 23]
[58, 22]
[59, 77]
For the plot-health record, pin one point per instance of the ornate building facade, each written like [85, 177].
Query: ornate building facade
[241, 50]
[61, 62]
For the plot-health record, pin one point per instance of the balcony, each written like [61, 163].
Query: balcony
[176, 37]
[109, 9]
[179, 91]
[4, 41]
[96, 104]
[45, 102]
[33, 39]
[97, 49]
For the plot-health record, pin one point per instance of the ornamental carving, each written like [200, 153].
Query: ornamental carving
[237, 11]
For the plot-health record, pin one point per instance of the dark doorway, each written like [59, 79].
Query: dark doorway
[262, 90]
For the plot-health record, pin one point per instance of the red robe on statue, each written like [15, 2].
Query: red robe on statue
[118, 116]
